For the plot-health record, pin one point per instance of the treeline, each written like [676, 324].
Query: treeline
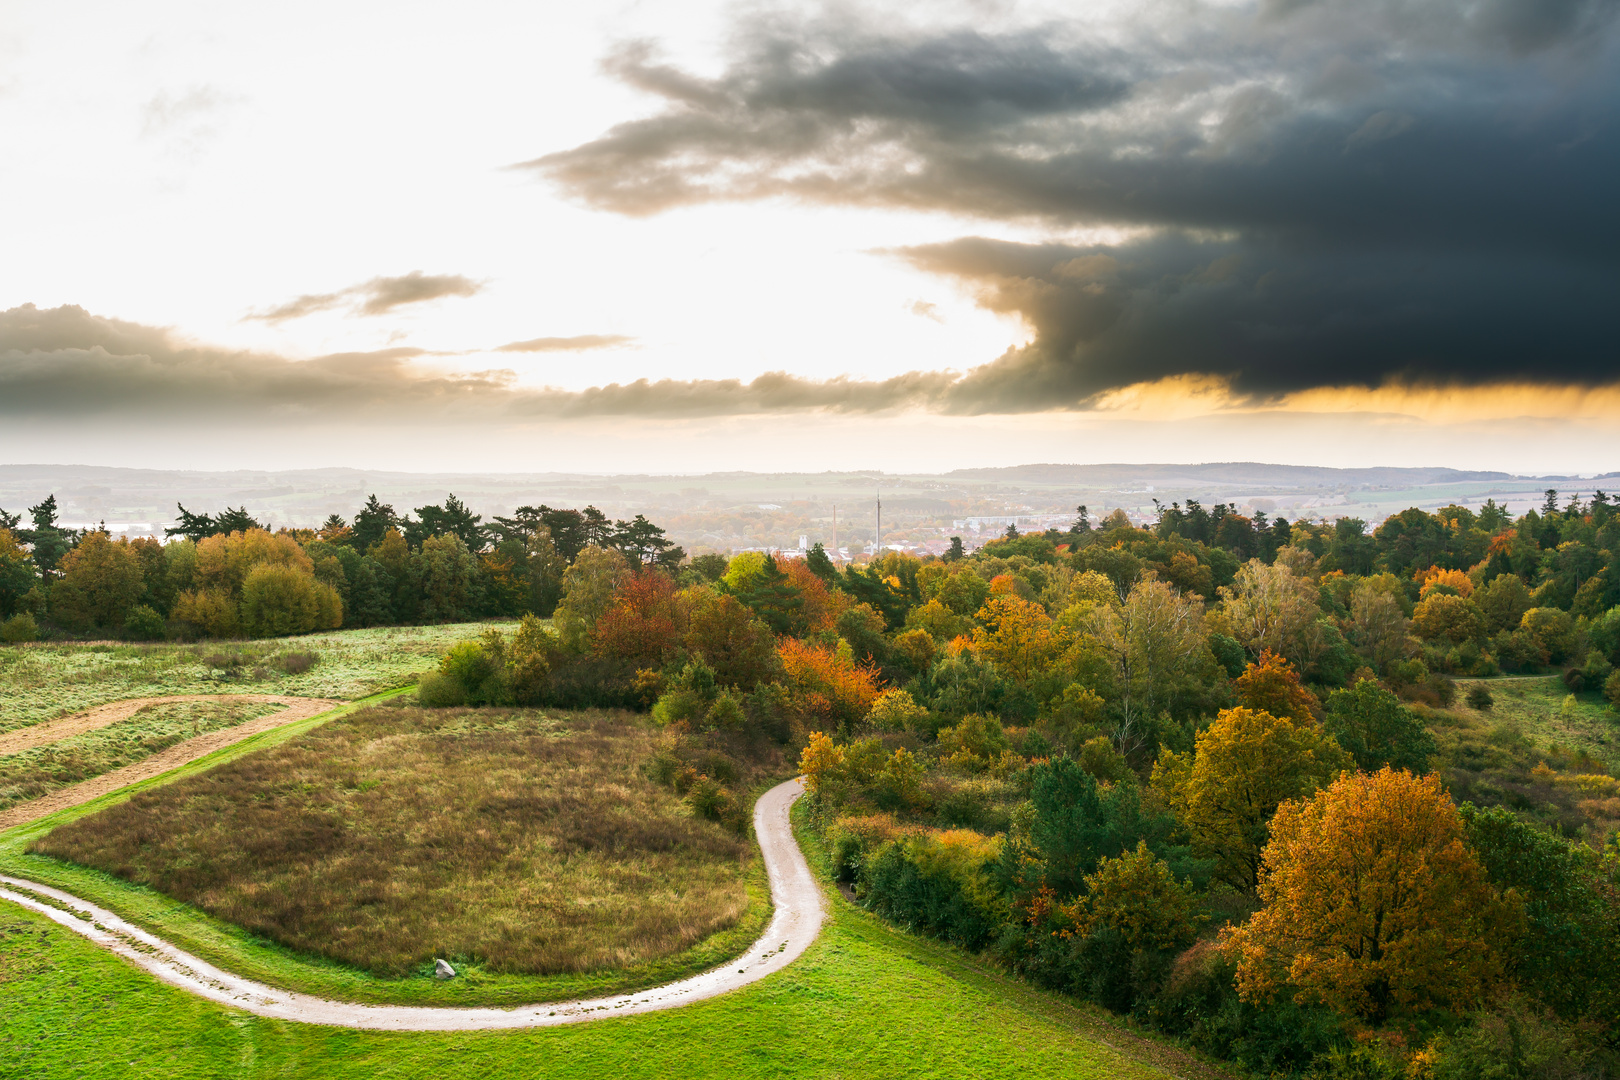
[1216, 793]
[227, 575]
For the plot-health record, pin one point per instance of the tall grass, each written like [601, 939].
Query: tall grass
[42, 769]
[386, 838]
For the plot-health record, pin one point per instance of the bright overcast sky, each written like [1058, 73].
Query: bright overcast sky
[301, 235]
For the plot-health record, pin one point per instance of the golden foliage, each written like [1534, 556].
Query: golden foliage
[1247, 763]
[1372, 901]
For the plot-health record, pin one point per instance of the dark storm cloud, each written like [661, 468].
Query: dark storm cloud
[379, 296]
[66, 362]
[1332, 193]
[580, 343]
[1272, 320]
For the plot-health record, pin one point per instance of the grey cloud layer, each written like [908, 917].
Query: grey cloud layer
[378, 296]
[66, 362]
[1419, 189]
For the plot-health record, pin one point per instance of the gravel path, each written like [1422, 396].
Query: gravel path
[164, 760]
[794, 925]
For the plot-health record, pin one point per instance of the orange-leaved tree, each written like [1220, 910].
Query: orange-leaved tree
[1373, 901]
[1245, 765]
[644, 621]
[1272, 685]
[827, 683]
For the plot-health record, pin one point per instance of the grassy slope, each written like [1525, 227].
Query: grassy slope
[41, 682]
[866, 1000]
[1536, 704]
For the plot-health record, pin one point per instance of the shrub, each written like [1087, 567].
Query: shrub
[895, 710]
[940, 884]
[144, 624]
[1479, 698]
[437, 690]
[1611, 688]
[296, 663]
[20, 628]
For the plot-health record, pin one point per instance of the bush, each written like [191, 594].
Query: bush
[281, 600]
[437, 690]
[1611, 689]
[296, 663]
[1520, 1042]
[1479, 698]
[20, 628]
[144, 624]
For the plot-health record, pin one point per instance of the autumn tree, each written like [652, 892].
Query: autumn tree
[1246, 764]
[1269, 607]
[1272, 685]
[279, 600]
[224, 559]
[1137, 896]
[1373, 901]
[1019, 637]
[738, 647]
[826, 683]
[101, 580]
[1444, 616]
[645, 621]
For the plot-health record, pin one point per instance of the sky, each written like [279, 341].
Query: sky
[695, 236]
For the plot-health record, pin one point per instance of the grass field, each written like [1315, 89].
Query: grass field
[865, 1001]
[1550, 715]
[510, 842]
[42, 769]
[1540, 751]
[41, 682]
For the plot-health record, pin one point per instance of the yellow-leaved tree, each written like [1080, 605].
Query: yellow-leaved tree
[1373, 901]
[1245, 765]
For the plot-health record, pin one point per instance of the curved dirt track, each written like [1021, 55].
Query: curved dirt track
[162, 761]
[794, 925]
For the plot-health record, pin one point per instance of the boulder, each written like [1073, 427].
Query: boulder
[442, 970]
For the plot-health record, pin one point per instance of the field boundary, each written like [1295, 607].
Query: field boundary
[799, 912]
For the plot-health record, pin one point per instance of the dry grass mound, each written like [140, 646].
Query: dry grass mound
[388, 837]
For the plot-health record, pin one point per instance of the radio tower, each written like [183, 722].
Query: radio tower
[877, 541]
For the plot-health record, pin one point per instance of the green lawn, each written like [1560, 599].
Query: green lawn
[42, 682]
[865, 1001]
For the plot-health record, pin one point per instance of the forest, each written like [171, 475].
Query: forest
[1252, 783]
[1255, 784]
